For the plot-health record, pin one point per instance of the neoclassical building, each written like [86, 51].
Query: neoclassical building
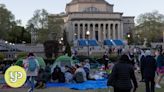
[97, 17]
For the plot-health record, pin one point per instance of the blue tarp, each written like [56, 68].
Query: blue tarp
[108, 42]
[87, 42]
[82, 43]
[92, 43]
[97, 84]
[118, 42]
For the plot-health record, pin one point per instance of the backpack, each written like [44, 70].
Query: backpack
[79, 77]
[32, 64]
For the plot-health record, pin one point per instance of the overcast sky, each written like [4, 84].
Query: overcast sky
[23, 9]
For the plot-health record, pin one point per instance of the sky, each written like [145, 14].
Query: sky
[24, 9]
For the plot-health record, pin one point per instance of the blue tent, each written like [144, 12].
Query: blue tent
[108, 42]
[82, 43]
[87, 42]
[118, 42]
[92, 42]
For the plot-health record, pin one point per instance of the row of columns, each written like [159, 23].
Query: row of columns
[98, 31]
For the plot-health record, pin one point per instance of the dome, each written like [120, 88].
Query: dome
[88, 1]
[89, 6]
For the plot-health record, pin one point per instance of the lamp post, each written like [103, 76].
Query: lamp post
[88, 33]
[129, 39]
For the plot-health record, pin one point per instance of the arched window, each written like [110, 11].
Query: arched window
[91, 9]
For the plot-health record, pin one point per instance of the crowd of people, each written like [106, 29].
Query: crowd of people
[68, 74]
[150, 64]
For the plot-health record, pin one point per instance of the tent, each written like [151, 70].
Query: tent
[62, 61]
[41, 62]
[19, 62]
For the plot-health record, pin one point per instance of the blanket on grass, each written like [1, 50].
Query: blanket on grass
[91, 84]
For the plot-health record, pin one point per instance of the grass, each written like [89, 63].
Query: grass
[140, 89]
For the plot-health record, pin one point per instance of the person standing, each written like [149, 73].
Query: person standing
[160, 69]
[149, 67]
[142, 57]
[106, 59]
[121, 76]
[32, 68]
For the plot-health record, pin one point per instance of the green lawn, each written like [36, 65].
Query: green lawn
[140, 89]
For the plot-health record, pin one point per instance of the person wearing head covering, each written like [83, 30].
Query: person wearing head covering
[121, 76]
[141, 59]
[160, 69]
[80, 74]
[149, 67]
[31, 66]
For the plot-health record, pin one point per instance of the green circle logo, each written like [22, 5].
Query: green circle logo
[15, 76]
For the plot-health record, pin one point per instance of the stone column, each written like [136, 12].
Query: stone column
[104, 31]
[109, 31]
[74, 31]
[119, 31]
[78, 29]
[99, 31]
[89, 29]
[93, 37]
[114, 31]
[84, 31]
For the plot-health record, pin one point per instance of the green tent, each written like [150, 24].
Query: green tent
[63, 61]
[41, 62]
[19, 62]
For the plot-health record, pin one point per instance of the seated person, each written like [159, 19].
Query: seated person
[41, 79]
[48, 72]
[80, 74]
[58, 75]
[87, 68]
[68, 74]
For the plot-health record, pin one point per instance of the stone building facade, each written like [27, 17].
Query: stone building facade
[97, 17]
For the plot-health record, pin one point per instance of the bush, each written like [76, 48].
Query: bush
[22, 54]
[113, 57]
[2, 56]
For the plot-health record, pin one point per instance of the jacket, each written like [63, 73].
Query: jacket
[121, 76]
[149, 67]
[160, 61]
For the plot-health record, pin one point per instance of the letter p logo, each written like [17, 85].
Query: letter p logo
[15, 76]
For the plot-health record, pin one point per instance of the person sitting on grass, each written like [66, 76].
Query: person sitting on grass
[58, 75]
[40, 79]
[68, 74]
[80, 74]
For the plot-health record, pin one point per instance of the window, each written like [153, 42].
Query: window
[91, 9]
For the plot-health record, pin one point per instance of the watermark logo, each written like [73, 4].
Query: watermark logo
[15, 76]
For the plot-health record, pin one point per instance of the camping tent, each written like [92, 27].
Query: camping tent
[63, 61]
[41, 62]
[19, 62]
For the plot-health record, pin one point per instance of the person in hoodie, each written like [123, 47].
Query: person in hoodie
[160, 68]
[149, 68]
[122, 76]
[142, 57]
